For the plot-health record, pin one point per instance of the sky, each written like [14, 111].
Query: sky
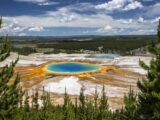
[79, 17]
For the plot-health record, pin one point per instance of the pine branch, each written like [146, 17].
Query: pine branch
[0, 21]
[158, 32]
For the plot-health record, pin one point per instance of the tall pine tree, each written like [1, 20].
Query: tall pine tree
[104, 112]
[67, 108]
[129, 112]
[82, 105]
[149, 97]
[10, 94]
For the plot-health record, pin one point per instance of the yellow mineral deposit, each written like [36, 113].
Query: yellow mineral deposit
[38, 72]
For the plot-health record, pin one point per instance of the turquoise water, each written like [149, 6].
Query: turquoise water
[72, 67]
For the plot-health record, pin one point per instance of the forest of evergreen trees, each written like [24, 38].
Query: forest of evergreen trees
[15, 104]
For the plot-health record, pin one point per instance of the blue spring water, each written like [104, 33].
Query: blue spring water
[72, 67]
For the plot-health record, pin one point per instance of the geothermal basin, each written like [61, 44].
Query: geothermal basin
[54, 73]
[72, 68]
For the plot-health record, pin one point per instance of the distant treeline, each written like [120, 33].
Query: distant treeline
[24, 50]
[121, 44]
[80, 44]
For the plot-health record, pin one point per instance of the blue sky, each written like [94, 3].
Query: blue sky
[79, 17]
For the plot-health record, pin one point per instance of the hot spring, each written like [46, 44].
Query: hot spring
[72, 67]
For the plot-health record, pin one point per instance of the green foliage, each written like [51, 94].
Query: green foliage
[82, 105]
[130, 110]
[104, 113]
[0, 22]
[96, 104]
[35, 104]
[24, 50]
[149, 98]
[5, 50]
[158, 31]
[122, 45]
[67, 108]
[10, 93]
[90, 113]
[115, 44]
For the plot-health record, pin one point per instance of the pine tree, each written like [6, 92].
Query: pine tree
[82, 105]
[9, 93]
[104, 113]
[158, 31]
[47, 111]
[96, 99]
[26, 106]
[130, 110]
[96, 109]
[90, 110]
[35, 113]
[76, 107]
[35, 104]
[67, 108]
[149, 97]
[0, 22]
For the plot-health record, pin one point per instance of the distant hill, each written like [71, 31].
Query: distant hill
[83, 38]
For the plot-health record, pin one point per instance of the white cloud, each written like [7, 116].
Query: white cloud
[142, 31]
[147, 0]
[39, 2]
[140, 19]
[133, 5]
[47, 3]
[68, 18]
[36, 29]
[107, 28]
[65, 17]
[130, 26]
[17, 28]
[34, 1]
[112, 5]
[126, 21]
[153, 10]
[119, 5]
[22, 34]
[11, 26]
[155, 20]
